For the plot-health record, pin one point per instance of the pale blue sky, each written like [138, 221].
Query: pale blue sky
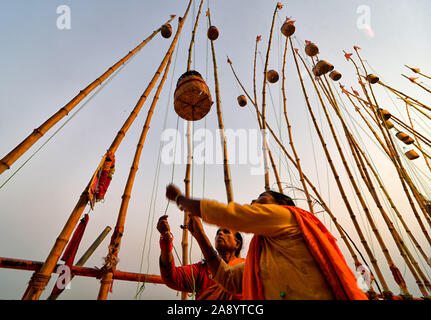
[43, 67]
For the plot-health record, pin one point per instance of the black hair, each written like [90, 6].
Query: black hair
[282, 198]
[238, 237]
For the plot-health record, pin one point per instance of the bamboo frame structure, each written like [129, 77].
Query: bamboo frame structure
[40, 279]
[19, 150]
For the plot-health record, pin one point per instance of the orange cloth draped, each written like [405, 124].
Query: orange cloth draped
[323, 248]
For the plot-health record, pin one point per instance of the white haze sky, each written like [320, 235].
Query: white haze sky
[43, 67]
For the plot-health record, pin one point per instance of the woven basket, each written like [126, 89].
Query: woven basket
[212, 33]
[166, 30]
[242, 101]
[411, 155]
[371, 78]
[272, 76]
[335, 75]
[402, 136]
[385, 114]
[322, 67]
[192, 98]
[311, 49]
[287, 29]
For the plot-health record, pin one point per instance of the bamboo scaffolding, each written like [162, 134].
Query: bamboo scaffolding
[404, 252]
[184, 240]
[274, 167]
[19, 264]
[402, 173]
[418, 84]
[111, 259]
[339, 185]
[19, 150]
[289, 129]
[39, 280]
[322, 201]
[85, 257]
[264, 142]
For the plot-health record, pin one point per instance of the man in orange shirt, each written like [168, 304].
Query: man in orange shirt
[196, 277]
[291, 256]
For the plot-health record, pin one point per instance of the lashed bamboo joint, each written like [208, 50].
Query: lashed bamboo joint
[335, 75]
[412, 155]
[213, 33]
[311, 49]
[322, 67]
[371, 78]
[192, 97]
[272, 76]
[242, 101]
[166, 30]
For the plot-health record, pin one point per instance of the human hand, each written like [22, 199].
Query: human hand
[172, 191]
[163, 226]
[195, 227]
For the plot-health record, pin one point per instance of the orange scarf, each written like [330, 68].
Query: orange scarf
[322, 246]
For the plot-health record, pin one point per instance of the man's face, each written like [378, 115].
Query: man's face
[264, 198]
[225, 240]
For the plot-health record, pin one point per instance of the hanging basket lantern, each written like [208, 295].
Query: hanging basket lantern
[212, 33]
[242, 101]
[311, 49]
[272, 76]
[192, 98]
[371, 78]
[322, 67]
[409, 140]
[166, 30]
[402, 136]
[385, 114]
[288, 28]
[412, 155]
[335, 75]
[388, 124]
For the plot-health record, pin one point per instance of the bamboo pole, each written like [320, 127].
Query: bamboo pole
[418, 84]
[264, 142]
[85, 257]
[28, 265]
[184, 241]
[404, 252]
[416, 70]
[40, 279]
[339, 185]
[289, 129]
[19, 150]
[111, 259]
[273, 165]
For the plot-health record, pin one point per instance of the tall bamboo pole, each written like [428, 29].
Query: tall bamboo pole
[85, 257]
[111, 259]
[405, 253]
[337, 179]
[19, 150]
[184, 240]
[289, 129]
[264, 142]
[40, 279]
[273, 165]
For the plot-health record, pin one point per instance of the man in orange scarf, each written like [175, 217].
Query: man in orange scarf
[291, 256]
